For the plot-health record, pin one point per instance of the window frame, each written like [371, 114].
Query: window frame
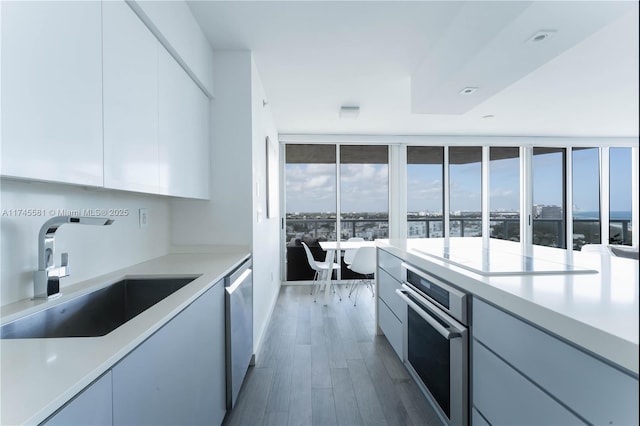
[397, 146]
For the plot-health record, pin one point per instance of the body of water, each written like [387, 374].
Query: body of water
[613, 215]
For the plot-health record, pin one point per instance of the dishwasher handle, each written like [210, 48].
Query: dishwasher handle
[238, 282]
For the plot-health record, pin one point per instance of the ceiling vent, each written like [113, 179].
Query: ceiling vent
[349, 112]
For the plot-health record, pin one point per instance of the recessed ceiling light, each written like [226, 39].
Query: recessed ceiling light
[540, 36]
[349, 112]
[467, 90]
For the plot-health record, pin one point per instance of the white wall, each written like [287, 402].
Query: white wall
[236, 213]
[226, 219]
[93, 250]
[266, 244]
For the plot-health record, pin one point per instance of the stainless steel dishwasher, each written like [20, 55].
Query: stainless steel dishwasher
[239, 328]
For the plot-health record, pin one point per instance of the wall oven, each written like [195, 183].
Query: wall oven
[437, 343]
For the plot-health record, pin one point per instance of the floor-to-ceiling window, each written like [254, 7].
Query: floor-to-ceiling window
[585, 182]
[425, 168]
[364, 191]
[310, 201]
[324, 202]
[504, 193]
[338, 191]
[310, 178]
[620, 200]
[549, 197]
[465, 191]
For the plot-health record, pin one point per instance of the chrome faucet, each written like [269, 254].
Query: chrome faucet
[46, 280]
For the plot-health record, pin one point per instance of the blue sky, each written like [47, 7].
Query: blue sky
[312, 187]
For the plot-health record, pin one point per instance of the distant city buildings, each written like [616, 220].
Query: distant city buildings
[549, 225]
[547, 212]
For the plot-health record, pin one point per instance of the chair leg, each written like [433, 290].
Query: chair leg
[336, 290]
[354, 285]
[355, 298]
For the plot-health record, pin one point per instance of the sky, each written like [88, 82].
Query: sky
[364, 187]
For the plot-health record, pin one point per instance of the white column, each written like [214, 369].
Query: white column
[568, 169]
[397, 191]
[604, 195]
[485, 197]
[445, 197]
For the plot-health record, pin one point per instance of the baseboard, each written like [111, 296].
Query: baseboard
[258, 346]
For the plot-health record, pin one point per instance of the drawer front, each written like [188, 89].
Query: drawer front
[391, 327]
[391, 264]
[92, 406]
[477, 419]
[387, 291]
[505, 397]
[598, 392]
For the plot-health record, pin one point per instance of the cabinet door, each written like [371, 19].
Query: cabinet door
[130, 101]
[600, 393]
[505, 397]
[184, 132]
[391, 326]
[177, 376]
[387, 287]
[52, 91]
[91, 407]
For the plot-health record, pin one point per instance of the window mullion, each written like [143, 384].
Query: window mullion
[604, 195]
[526, 200]
[485, 197]
[568, 187]
[445, 197]
[338, 204]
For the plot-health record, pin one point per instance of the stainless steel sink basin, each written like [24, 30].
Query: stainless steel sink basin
[97, 313]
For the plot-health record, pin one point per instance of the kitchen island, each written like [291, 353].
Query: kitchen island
[553, 337]
[39, 376]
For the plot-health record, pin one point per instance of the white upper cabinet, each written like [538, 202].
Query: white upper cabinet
[52, 91]
[130, 101]
[91, 97]
[184, 132]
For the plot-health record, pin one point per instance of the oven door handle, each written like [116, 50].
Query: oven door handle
[444, 331]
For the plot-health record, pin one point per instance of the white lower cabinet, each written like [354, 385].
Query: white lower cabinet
[523, 375]
[391, 326]
[177, 376]
[505, 397]
[91, 407]
[392, 310]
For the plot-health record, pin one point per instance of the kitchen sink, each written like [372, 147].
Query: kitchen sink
[96, 313]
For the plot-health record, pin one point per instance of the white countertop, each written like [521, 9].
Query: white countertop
[592, 304]
[38, 376]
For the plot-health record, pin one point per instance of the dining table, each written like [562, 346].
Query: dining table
[334, 247]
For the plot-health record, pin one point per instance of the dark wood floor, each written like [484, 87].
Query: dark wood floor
[324, 365]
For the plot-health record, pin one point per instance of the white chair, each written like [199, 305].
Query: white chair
[323, 271]
[364, 263]
[351, 253]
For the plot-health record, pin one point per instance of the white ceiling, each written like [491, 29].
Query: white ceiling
[314, 56]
